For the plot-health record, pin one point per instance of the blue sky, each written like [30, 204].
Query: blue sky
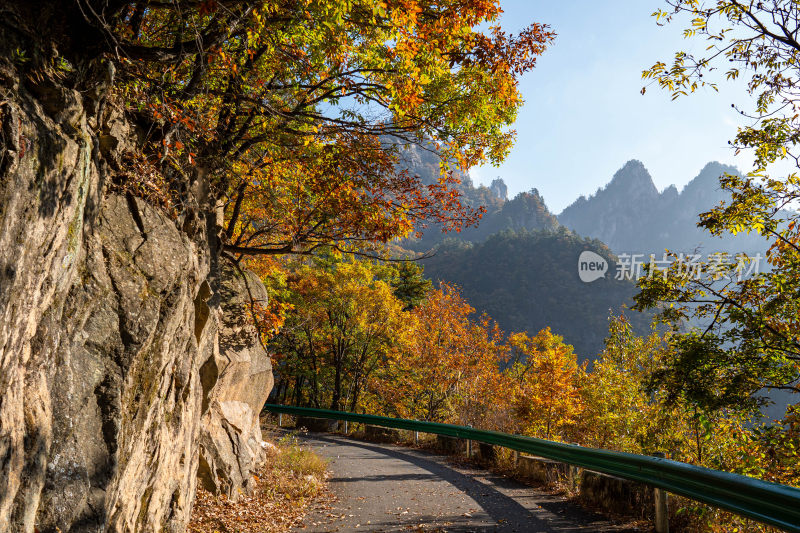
[584, 116]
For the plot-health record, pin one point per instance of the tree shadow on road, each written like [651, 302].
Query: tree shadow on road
[501, 508]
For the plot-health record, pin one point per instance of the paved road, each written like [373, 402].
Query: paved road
[390, 488]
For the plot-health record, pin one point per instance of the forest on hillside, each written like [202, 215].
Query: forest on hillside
[528, 281]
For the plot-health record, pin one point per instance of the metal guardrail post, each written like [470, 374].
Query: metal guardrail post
[416, 438]
[661, 501]
[574, 476]
[280, 420]
[345, 427]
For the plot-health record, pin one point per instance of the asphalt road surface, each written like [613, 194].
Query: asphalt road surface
[380, 487]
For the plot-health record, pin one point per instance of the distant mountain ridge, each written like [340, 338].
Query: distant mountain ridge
[526, 211]
[521, 263]
[630, 215]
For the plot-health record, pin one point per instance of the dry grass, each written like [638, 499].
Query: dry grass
[292, 476]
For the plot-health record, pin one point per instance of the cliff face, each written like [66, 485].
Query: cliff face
[230, 432]
[110, 312]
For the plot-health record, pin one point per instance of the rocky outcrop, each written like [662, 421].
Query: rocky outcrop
[499, 188]
[230, 439]
[109, 329]
[126, 393]
[49, 185]
[99, 353]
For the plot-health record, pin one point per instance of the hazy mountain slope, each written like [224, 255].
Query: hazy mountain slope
[631, 216]
[525, 211]
[419, 161]
[529, 280]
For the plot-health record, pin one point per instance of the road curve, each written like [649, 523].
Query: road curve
[383, 487]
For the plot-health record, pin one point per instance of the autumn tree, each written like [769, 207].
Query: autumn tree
[545, 377]
[750, 334]
[623, 408]
[267, 121]
[448, 368]
[344, 321]
[626, 408]
[267, 128]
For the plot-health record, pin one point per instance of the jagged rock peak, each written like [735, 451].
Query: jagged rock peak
[634, 178]
[631, 183]
[629, 213]
[708, 178]
[670, 193]
[499, 188]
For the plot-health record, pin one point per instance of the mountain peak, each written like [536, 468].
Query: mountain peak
[708, 178]
[499, 188]
[630, 215]
[670, 193]
[634, 179]
[632, 182]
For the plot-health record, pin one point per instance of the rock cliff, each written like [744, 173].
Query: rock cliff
[230, 434]
[117, 357]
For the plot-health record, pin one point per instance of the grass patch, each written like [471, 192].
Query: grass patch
[299, 459]
[292, 476]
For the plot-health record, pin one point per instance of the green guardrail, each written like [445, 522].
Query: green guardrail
[770, 503]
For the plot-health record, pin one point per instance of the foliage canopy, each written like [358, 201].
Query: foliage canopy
[278, 115]
[751, 334]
